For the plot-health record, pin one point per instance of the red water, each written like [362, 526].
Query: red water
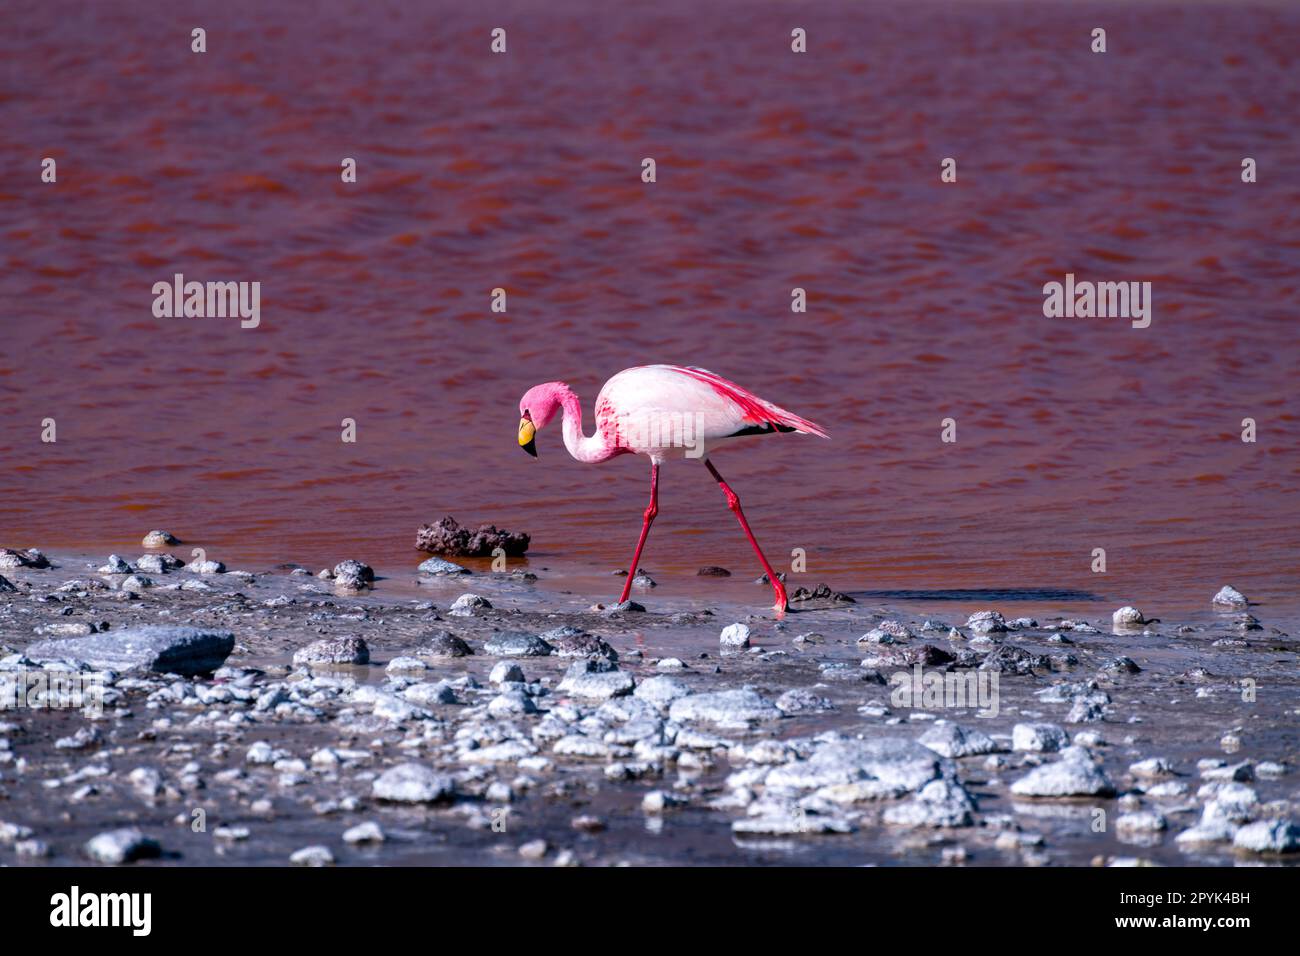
[774, 170]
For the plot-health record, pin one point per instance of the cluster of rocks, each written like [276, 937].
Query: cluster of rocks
[447, 537]
[543, 731]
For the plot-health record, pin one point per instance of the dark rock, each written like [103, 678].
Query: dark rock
[448, 537]
[444, 644]
[1009, 659]
[166, 649]
[821, 593]
[570, 642]
[713, 571]
[30, 558]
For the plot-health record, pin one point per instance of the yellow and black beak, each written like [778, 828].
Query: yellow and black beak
[527, 435]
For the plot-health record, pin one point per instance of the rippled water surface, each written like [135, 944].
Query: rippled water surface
[774, 170]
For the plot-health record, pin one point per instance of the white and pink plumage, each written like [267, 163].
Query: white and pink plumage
[663, 412]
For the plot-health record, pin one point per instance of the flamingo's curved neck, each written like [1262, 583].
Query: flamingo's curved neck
[581, 447]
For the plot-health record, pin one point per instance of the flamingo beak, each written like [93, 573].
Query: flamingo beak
[527, 436]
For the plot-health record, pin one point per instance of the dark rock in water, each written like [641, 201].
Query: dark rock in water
[444, 644]
[6, 584]
[517, 644]
[821, 593]
[336, 650]
[713, 571]
[763, 578]
[1009, 659]
[448, 537]
[643, 580]
[166, 649]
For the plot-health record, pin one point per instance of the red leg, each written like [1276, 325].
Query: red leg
[733, 502]
[651, 510]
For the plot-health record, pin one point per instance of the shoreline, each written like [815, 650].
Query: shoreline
[788, 751]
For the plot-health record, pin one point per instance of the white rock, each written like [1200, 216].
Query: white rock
[734, 635]
[1229, 596]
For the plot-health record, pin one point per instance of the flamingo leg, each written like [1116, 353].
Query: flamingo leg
[733, 502]
[651, 510]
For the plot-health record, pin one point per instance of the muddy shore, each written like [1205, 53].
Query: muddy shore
[573, 734]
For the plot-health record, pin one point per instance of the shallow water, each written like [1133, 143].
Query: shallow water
[775, 170]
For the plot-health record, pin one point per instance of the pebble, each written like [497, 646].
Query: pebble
[1039, 738]
[121, 846]
[368, 832]
[334, 650]
[953, 740]
[517, 644]
[312, 856]
[1230, 597]
[1268, 836]
[467, 605]
[727, 708]
[534, 849]
[1073, 775]
[1127, 618]
[444, 644]
[506, 672]
[440, 566]
[412, 783]
[600, 685]
[115, 565]
[734, 635]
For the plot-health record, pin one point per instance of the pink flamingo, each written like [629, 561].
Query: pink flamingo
[662, 411]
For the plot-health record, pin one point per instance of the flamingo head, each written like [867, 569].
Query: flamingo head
[539, 405]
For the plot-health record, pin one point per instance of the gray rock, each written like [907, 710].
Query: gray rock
[334, 650]
[951, 740]
[734, 635]
[353, 575]
[1268, 836]
[986, 622]
[1038, 738]
[903, 764]
[1072, 776]
[167, 649]
[727, 708]
[662, 690]
[506, 672]
[600, 685]
[940, 803]
[115, 565]
[800, 700]
[413, 783]
[511, 703]
[205, 567]
[440, 566]
[1127, 618]
[468, 604]
[1230, 597]
[517, 644]
[121, 846]
[571, 642]
[160, 539]
[158, 563]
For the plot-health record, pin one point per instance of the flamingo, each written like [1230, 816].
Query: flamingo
[662, 412]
